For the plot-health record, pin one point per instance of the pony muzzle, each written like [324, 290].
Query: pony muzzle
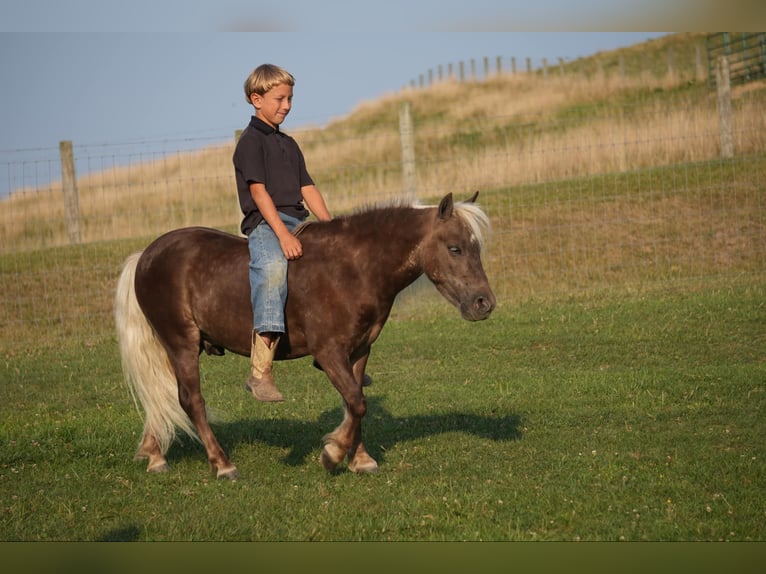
[479, 308]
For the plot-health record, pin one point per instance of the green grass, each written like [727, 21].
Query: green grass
[601, 417]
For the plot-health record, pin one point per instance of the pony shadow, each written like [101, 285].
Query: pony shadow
[382, 430]
[124, 534]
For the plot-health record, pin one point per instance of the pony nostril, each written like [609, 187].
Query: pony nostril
[484, 304]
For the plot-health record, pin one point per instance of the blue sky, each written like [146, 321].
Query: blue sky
[106, 72]
[335, 15]
[95, 71]
[96, 88]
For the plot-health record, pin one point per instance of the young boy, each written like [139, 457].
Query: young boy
[272, 185]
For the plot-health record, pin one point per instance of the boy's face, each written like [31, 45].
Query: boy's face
[273, 106]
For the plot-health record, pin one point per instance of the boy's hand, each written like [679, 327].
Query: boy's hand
[291, 246]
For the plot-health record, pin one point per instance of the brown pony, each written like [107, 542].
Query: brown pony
[189, 291]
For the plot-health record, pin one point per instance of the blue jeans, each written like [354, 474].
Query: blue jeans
[268, 276]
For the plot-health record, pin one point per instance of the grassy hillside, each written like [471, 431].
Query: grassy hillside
[606, 175]
[615, 111]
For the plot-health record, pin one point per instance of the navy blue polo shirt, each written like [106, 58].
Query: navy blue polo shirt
[266, 155]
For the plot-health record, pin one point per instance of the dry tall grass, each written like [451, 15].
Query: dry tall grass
[594, 178]
[502, 132]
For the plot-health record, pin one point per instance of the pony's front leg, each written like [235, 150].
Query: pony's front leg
[359, 367]
[359, 460]
[335, 446]
[338, 442]
[346, 439]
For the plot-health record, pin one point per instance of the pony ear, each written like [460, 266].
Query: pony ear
[445, 206]
[472, 199]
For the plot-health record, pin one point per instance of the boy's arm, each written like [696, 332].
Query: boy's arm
[315, 202]
[291, 245]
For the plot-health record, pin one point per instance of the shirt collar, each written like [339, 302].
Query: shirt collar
[262, 126]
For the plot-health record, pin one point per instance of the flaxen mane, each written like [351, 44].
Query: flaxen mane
[473, 216]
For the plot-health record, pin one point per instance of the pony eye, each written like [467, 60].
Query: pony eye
[455, 250]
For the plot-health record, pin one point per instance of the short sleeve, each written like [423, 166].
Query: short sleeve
[249, 160]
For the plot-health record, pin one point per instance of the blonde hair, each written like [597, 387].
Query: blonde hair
[265, 77]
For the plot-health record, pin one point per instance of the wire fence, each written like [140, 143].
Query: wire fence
[591, 196]
[745, 52]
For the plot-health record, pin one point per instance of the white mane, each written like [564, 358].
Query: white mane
[476, 219]
[473, 216]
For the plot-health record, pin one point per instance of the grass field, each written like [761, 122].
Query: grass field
[617, 393]
[607, 417]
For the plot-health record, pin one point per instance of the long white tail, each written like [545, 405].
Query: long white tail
[146, 365]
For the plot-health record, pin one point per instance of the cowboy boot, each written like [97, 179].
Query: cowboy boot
[260, 383]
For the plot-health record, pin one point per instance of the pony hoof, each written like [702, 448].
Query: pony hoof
[327, 462]
[329, 459]
[157, 463]
[366, 467]
[230, 473]
[162, 467]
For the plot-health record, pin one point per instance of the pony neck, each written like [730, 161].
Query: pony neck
[401, 231]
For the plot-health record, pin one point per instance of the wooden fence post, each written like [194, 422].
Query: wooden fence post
[69, 187]
[670, 62]
[699, 69]
[724, 107]
[622, 69]
[407, 138]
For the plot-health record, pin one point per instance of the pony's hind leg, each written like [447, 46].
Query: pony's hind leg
[150, 448]
[186, 364]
